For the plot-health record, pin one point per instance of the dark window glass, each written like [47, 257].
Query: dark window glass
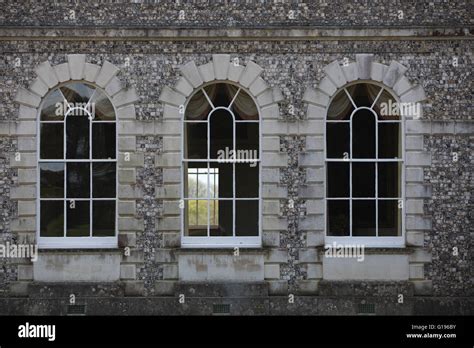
[341, 107]
[196, 139]
[363, 179]
[246, 218]
[363, 218]
[224, 227]
[52, 180]
[103, 140]
[247, 138]
[337, 140]
[338, 218]
[54, 107]
[244, 107]
[389, 140]
[198, 107]
[103, 179]
[78, 223]
[77, 93]
[363, 134]
[338, 179]
[52, 218]
[101, 107]
[389, 179]
[77, 137]
[222, 131]
[225, 179]
[390, 218]
[52, 135]
[103, 218]
[246, 180]
[78, 180]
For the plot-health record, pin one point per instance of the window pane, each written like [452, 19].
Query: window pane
[218, 93]
[52, 218]
[53, 107]
[389, 174]
[244, 107]
[214, 212]
[221, 135]
[196, 181]
[103, 218]
[101, 107]
[225, 179]
[196, 140]
[363, 179]
[338, 179]
[52, 135]
[338, 218]
[103, 140]
[77, 93]
[363, 218]
[246, 218]
[386, 107]
[247, 141]
[103, 179]
[390, 218]
[77, 137]
[389, 140]
[363, 134]
[52, 180]
[78, 180]
[338, 139]
[363, 94]
[246, 180]
[224, 228]
[198, 107]
[78, 224]
[341, 107]
[196, 218]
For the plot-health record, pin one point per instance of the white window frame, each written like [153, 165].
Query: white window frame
[369, 241]
[227, 241]
[65, 242]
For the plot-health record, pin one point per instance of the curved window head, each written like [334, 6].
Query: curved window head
[364, 162]
[221, 164]
[77, 168]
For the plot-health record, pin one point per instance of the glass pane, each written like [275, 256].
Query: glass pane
[341, 107]
[103, 140]
[214, 213]
[246, 218]
[390, 218]
[338, 139]
[104, 179]
[101, 107]
[363, 134]
[224, 228]
[221, 135]
[77, 137]
[196, 218]
[196, 140]
[78, 180]
[225, 179]
[198, 107]
[387, 107]
[54, 107]
[363, 218]
[338, 218]
[363, 94]
[78, 224]
[52, 180]
[77, 93]
[219, 94]
[247, 141]
[389, 174]
[363, 179]
[244, 107]
[52, 138]
[246, 180]
[338, 179]
[103, 218]
[196, 181]
[52, 218]
[390, 144]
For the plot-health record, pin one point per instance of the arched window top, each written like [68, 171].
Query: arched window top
[369, 96]
[221, 96]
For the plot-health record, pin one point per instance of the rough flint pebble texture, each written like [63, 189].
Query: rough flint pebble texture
[225, 13]
[292, 66]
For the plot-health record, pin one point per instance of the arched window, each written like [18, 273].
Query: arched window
[221, 168]
[77, 168]
[364, 166]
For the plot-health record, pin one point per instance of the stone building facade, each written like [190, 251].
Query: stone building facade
[292, 59]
